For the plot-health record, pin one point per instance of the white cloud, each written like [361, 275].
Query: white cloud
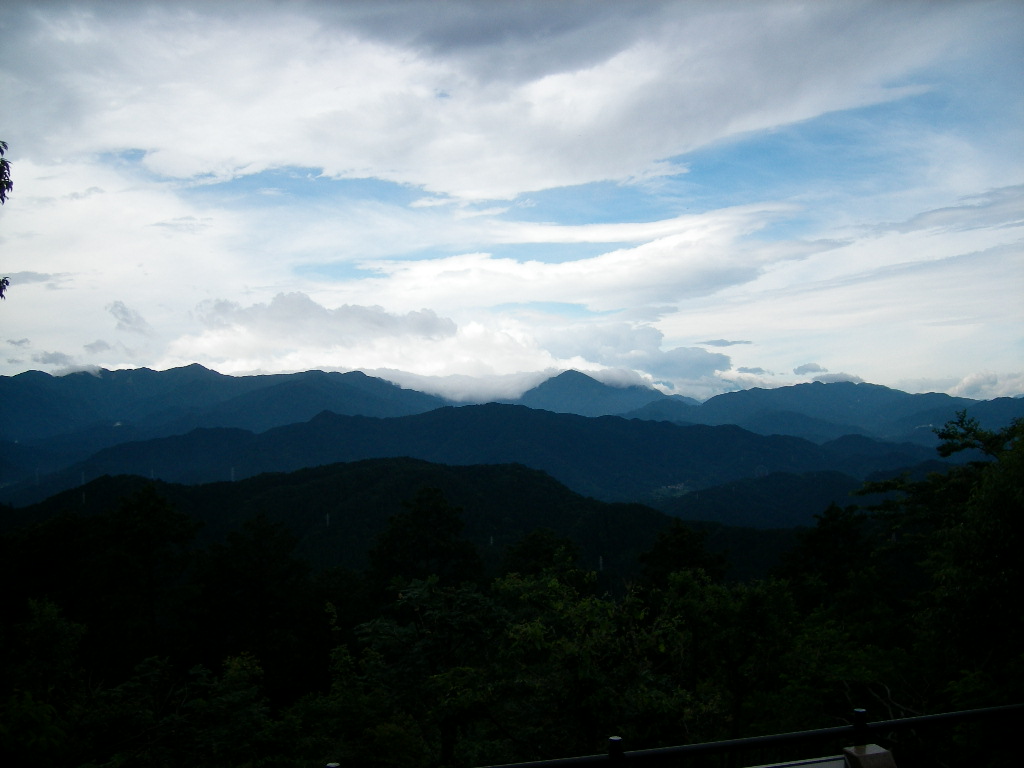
[207, 90]
[721, 343]
[711, 252]
[633, 347]
[295, 315]
[999, 208]
[97, 347]
[806, 368]
[53, 358]
[293, 332]
[463, 388]
[987, 385]
[129, 319]
[830, 378]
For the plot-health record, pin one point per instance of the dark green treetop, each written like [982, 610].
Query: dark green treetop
[6, 185]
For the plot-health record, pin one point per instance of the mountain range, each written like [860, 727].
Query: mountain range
[616, 444]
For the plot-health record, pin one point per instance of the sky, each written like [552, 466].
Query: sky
[466, 197]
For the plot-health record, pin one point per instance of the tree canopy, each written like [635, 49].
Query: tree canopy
[128, 640]
[6, 185]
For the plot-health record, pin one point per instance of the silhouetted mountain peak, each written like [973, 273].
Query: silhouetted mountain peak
[571, 377]
[575, 392]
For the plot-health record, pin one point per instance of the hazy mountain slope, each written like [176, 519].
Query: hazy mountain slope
[992, 414]
[798, 425]
[674, 409]
[762, 422]
[86, 411]
[301, 396]
[44, 406]
[822, 412]
[870, 407]
[609, 458]
[53, 422]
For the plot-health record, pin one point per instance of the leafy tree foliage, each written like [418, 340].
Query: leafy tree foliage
[254, 597]
[40, 677]
[424, 541]
[974, 563]
[541, 550]
[6, 185]
[679, 548]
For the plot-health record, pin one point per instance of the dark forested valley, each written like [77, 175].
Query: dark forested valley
[401, 582]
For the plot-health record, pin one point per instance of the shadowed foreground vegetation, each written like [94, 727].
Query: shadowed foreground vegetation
[130, 639]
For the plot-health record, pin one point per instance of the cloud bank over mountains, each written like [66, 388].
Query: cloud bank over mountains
[704, 196]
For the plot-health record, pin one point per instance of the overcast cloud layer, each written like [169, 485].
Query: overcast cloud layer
[466, 196]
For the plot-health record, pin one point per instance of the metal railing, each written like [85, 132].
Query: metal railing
[859, 732]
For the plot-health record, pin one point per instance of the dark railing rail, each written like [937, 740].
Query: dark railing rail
[859, 732]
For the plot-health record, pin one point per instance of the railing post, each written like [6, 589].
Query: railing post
[864, 754]
[860, 726]
[616, 751]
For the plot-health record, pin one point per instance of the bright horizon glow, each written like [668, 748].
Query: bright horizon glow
[467, 197]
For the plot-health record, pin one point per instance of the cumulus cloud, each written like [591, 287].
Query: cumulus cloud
[633, 347]
[806, 368]
[682, 363]
[988, 385]
[297, 318]
[293, 329]
[294, 332]
[474, 350]
[53, 358]
[128, 319]
[462, 388]
[831, 378]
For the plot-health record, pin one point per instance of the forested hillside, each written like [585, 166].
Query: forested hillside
[194, 425]
[609, 458]
[335, 512]
[133, 637]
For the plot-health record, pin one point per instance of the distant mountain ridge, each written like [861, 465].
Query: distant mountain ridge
[192, 424]
[52, 421]
[142, 403]
[608, 458]
[40, 406]
[822, 412]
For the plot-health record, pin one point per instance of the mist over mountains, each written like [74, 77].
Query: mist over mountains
[619, 444]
